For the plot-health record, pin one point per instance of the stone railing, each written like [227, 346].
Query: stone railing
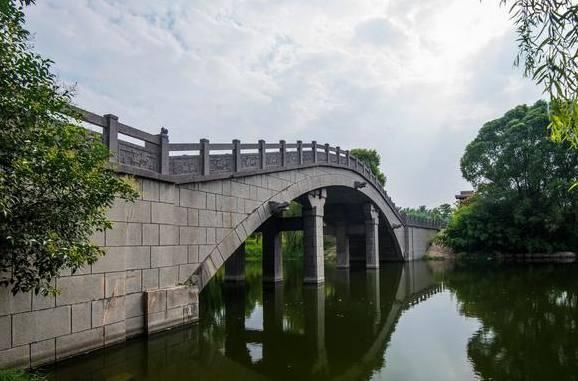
[153, 156]
[423, 222]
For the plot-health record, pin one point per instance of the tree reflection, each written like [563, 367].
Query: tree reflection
[529, 317]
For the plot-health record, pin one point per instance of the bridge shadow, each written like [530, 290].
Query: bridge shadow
[287, 330]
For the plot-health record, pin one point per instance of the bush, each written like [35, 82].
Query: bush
[55, 183]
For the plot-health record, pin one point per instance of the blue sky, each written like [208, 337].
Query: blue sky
[413, 79]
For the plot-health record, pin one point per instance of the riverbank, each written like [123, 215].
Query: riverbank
[437, 252]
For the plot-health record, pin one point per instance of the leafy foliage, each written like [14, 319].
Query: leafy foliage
[522, 203]
[18, 375]
[440, 213]
[55, 186]
[547, 41]
[372, 159]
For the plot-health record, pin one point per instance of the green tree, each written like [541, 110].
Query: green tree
[440, 213]
[372, 159]
[521, 180]
[55, 185]
[547, 43]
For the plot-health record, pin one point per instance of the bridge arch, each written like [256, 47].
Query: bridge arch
[288, 186]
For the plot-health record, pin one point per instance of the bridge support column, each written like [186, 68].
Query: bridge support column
[342, 242]
[371, 236]
[374, 295]
[314, 304]
[234, 297]
[272, 253]
[235, 265]
[313, 236]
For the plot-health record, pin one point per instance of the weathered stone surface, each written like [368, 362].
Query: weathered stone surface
[164, 256]
[192, 235]
[108, 311]
[79, 342]
[134, 304]
[81, 316]
[41, 302]
[150, 279]
[82, 288]
[170, 307]
[169, 235]
[135, 326]
[9, 304]
[42, 352]
[113, 260]
[133, 281]
[17, 357]
[124, 234]
[150, 190]
[150, 234]
[138, 257]
[168, 214]
[40, 325]
[5, 329]
[193, 199]
[115, 284]
[115, 333]
[168, 276]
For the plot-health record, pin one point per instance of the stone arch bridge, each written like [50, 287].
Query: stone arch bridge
[198, 204]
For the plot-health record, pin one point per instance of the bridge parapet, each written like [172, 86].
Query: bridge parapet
[421, 222]
[155, 157]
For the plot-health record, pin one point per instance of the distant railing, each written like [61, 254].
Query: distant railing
[153, 156]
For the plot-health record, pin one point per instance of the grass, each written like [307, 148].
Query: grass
[19, 375]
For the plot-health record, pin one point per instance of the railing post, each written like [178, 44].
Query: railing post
[205, 159]
[262, 154]
[327, 153]
[236, 155]
[338, 154]
[299, 152]
[283, 152]
[110, 135]
[347, 158]
[164, 152]
[314, 150]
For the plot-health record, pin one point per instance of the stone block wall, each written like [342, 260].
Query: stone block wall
[170, 233]
[418, 241]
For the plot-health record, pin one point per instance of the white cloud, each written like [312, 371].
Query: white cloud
[415, 80]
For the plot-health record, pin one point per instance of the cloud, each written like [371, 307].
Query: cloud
[415, 80]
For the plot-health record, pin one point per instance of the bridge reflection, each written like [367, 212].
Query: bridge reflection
[255, 331]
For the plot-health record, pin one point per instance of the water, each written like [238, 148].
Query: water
[418, 321]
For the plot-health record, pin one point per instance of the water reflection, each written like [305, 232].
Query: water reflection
[401, 322]
[529, 323]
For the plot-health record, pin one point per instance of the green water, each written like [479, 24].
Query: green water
[419, 321]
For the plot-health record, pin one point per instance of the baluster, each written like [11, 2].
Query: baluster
[164, 152]
[236, 155]
[299, 152]
[283, 152]
[110, 135]
[314, 150]
[262, 154]
[327, 157]
[205, 159]
[338, 154]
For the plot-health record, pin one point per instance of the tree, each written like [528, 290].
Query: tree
[547, 44]
[372, 159]
[55, 185]
[440, 213]
[521, 180]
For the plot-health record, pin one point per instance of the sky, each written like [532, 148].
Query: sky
[413, 79]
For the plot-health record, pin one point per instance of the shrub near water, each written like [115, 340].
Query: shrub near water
[55, 185]
[522, 180]
[18, 375]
